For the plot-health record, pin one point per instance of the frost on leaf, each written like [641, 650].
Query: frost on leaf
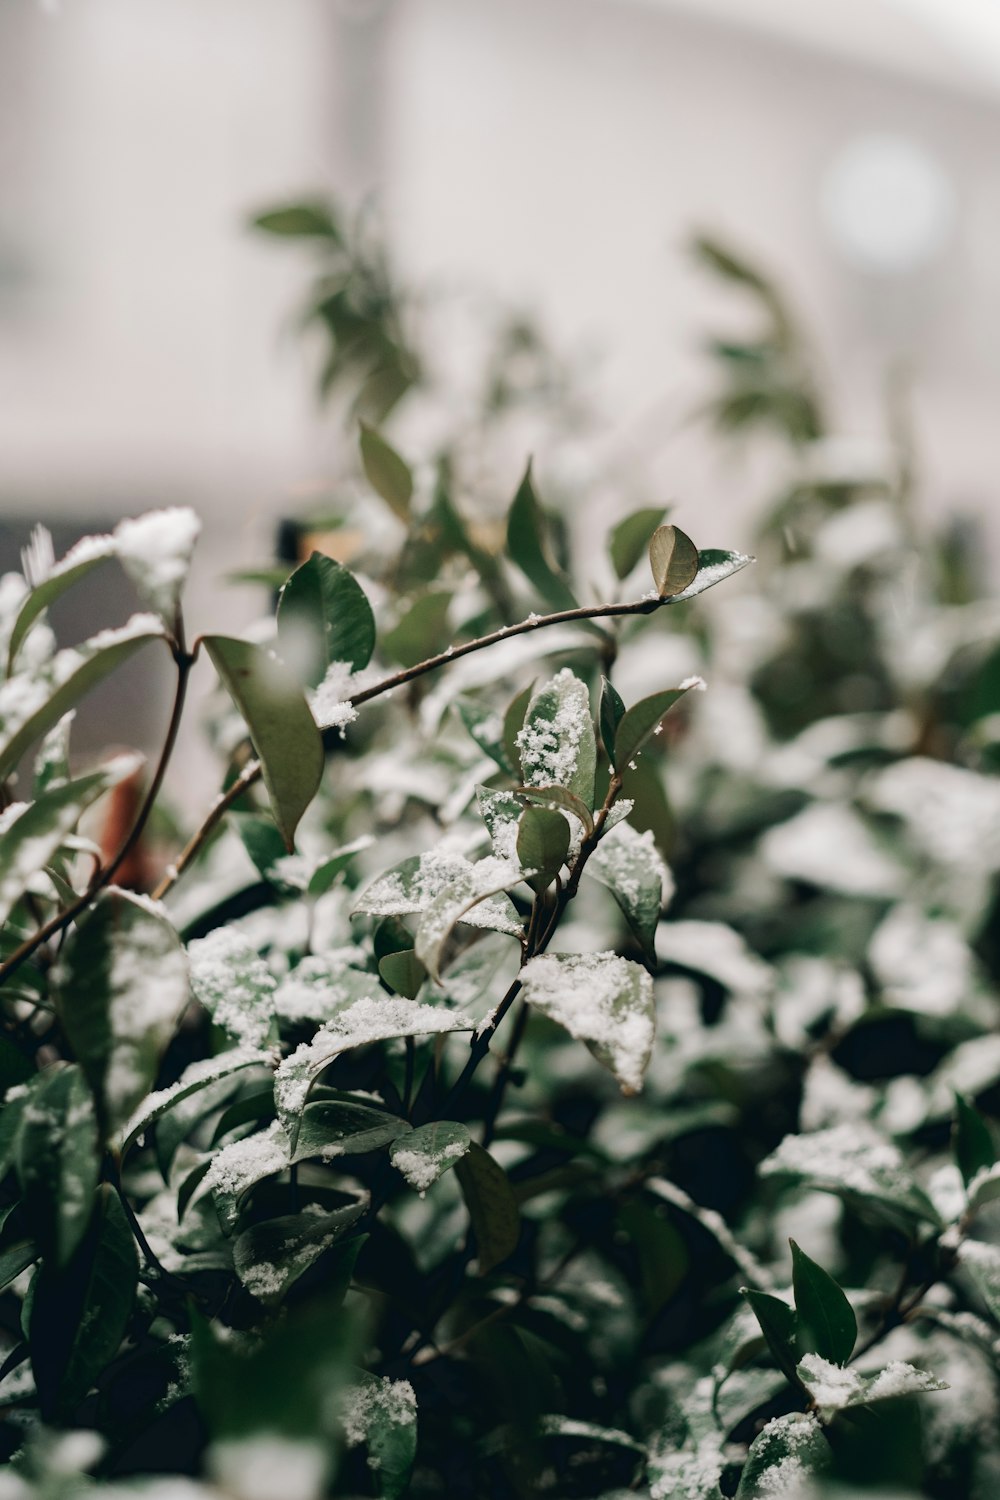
[270, 1256]
[234, 984]
[242, 1164]
[382, 1414]
[322, 985]
[426, 1154]
[196, 1076]
[629, 864]
[415, 884]
[367, 1020]
[155, 551]
[602, 1000]
[556, 743]
[475, 897]
[834, 1388]
[783, 1458]
[858, 1165]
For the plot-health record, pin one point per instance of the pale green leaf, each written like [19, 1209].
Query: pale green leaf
[602, 1000]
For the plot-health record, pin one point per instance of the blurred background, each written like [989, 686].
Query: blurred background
[555, 156]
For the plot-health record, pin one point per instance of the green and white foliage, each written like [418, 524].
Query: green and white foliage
[535, 1077]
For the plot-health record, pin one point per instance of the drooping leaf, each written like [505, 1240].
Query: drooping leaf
[631, 867]
[387, 473]
[542, 844]
[557, 744]
[463, 899]
[281, 727]
[642, 721]
[427, 1153]
[29, 709]
[528, 547]
[31, 838]
[778, 1324]
[80, 1311]
[271, 1256]
[783, 1458]
[826, 1324]
[57, 1162]
[602, 1000]
[324, 617]
[973, 1143]
[673, 558]
[78, 562]
[121, 986]
[629, 539]
[611, 715]
[492, 1207]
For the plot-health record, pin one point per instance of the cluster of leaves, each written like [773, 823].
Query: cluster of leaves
[523, 1083]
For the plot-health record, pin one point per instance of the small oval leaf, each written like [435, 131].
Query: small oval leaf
[673, 558]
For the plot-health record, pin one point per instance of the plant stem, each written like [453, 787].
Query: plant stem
[104, 875]
[252, 771]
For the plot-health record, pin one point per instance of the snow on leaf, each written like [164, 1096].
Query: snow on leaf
[602, 1000]
[783, 1458]
[270, 1256]
[382, 1414]
[426, 1154]
[234, 984]
[196, 1076]
[556, 743]
[155, 550]
[858, 1165]
[415, 884]
[714, 949]
[474, 896]
[830, 846]
[240, 1165]
[630, 865]
[322, 985]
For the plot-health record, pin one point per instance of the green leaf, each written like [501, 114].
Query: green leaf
[427, 1153]
[388, 475]
[197, 1077]
[485, 726]
[57, 1162]
[835, 1389]
[612, 713]
[235, 986]
[416, 883]
[32, 837]
[333, 1128]
[27, 713]
[778, 1324]
[283, 731]
[270, 1257]
[673, 558]
[310, 220]
[826, 1323]
[555, 797]
[403, 972]
[78, 562]
[323, 617]
[714, 566]
[631, 867]
[513, 721]
[972, 1141]
[421, 631]
[383, 1415]
[790, 1448]
[492, 1207]
[528, 547]
[121, 987]
[15, 1258]
[264, 844]
[602, 1000]
[79, 1314]
[542, 845]
[324, 877]
[557, 744]
[857, 1164]
[629, 539]
[642, 721]
[473, 896]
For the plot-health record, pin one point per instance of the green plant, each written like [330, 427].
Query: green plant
[384, 1225]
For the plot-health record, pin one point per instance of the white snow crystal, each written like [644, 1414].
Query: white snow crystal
[155, 551]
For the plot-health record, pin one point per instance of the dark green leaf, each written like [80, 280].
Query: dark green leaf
[270, 1257]
[403, 972]
[790, 1448]
[778, 1325]
[15, 1067]
[426, 1153]
[542, 844]
[554, 797]
[492, 1207]
[390, 1435]
[79, 1313]
[528, 546]
[58, 1163]
[826, 1324]
[972, 1141]
[388, 475]
[629, 539]
[557, 742]
[612, 713]
[641, 722]
[323, 617]
[283, 730]
[122, 984]
[332, 1129]
[513, 721]
[629, 864]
